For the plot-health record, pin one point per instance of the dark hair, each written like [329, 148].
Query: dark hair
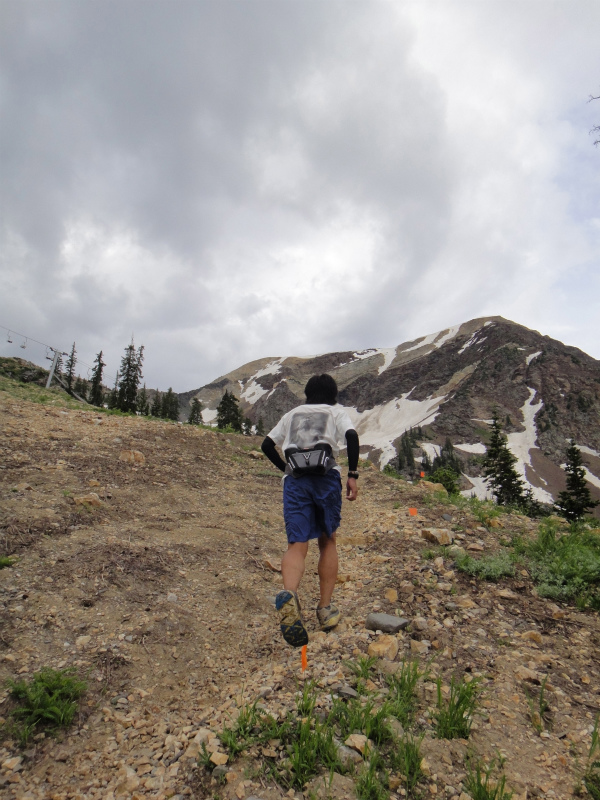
[321, 389]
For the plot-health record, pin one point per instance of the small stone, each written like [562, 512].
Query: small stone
[271, 564]
[219, 758]
[419, 647]
[387, 623]
[82, 641]
[171, 597]
[357, 742]
[532, 636]
[391, 595]
[384, 647]
[441, 536]
[506, 594]
[12, 763]
[419, 624]
[477, 548]
[94, 482]
[220, 771]
[132, 457]
[347, 691]
[348, 756]
[526, 674]
[90, 499]
[22, 487]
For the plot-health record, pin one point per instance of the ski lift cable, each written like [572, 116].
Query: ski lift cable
[48, 347]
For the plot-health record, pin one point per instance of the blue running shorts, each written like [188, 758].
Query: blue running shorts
[312, 505]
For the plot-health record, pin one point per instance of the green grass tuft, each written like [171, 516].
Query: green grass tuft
[454, 716]
[481, 786]
[488, 568]
[47, 702]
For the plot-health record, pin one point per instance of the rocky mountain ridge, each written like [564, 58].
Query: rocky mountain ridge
[448, 383]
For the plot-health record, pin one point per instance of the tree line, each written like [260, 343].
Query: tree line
[127, 396]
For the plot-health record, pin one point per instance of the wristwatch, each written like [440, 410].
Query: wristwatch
[352, 474]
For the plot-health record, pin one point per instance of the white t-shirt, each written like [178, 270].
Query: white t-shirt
[307, 425]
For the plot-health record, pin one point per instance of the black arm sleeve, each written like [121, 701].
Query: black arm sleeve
[268, 448]
[353, 449]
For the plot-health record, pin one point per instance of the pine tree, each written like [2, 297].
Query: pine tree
[156, 409]
[247, 427]
[260, 427]
[499, 469]
[113, 397]
[228, 412]
[170, 405]
[80, 387]
[59, 365]
[96, 397]
[70, 370]
[195, 417]
[576, 499]
[142, 406]
[447, 459]
[131, 375]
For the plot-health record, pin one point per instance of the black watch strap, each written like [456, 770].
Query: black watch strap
[352, 474]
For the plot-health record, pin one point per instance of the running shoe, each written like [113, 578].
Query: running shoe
[328, 616]
[290, 618]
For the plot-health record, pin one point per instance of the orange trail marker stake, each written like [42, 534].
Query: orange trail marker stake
[412, 512]
[303, 658]
[422, 474]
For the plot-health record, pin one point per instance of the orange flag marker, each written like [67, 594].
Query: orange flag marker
[412, 512]
[422, 474]
[304, 658]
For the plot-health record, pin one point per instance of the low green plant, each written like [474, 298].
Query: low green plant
[539, 707]
[204, 758]
[481, 786]
[355, 716]
[591, 777]
[402, 699]
[47, 702]
[488, 568]
[406, 759]
[6, 561]
[373, 781]
[565, 566]
[362, 667]
[448, 479]
[454, 716]
[311, 748]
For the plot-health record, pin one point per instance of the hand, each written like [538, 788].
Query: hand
[351, 489]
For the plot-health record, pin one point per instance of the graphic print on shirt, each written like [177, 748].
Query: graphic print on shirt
[308, 429]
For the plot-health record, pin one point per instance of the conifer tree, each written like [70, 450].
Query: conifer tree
[156, 409]
[228, 412]
[131, 375]
[260, 427]
[142, 406]
[59, 365]
[576, 500]
[195, 417]
[96, 397]
[447, 459]
[70, 370]
[499, 469]
[80, 387]
[113, 397]
[247, 427]
[170, 405]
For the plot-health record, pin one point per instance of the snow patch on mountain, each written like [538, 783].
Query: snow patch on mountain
[530, 358]
[272, 368]
[477, 448]
[252, 392]
[474, 339]
[389, 354]
[209, 415]
[378, 427]
[522, 442]
[432, 450]
[479, 489]
[588, 450]
[589, 476]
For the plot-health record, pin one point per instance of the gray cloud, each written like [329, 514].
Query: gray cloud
[232, 180]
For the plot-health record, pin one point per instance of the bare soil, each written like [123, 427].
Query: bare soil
[158, 592]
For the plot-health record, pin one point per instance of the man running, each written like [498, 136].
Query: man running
[312, 502]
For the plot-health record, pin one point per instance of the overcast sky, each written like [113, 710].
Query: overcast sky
[234, 180]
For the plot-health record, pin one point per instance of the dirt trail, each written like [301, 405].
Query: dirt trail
[157, 590]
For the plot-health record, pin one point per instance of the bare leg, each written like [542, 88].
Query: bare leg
[292, 565]
[328, 567]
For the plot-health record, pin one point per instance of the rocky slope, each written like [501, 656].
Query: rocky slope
[142, 552]
[448, 383]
